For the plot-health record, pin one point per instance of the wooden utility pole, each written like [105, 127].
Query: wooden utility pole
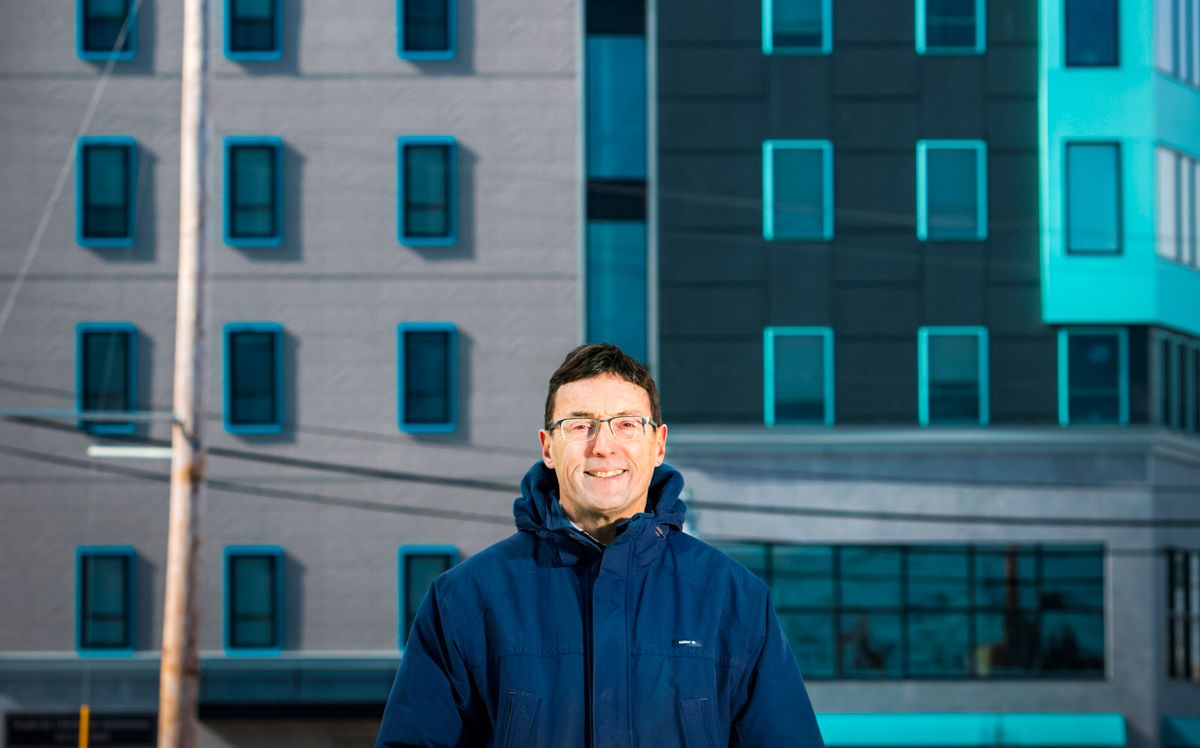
[179, 679]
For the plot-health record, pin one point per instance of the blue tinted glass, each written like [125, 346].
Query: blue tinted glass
[803, 576]
[105, 614]
[253, 185]
[1006, 643]
[937, 578]
[1072, 580]
[1093, 198]
[426, 25]
[800, 385]
[427, 195]
[616, 285]
[616, 107]
[954, 391]
[252, 601]
[751, 555]
[427, 382]
[1094, 377]
[106, 376]
[811, 637]
[102, 24]
[252, 25]
[1073, 642]
[952, 192]
[938, 644]
[106, 191]
[419, 573]
[1091, 31]
[870, 644]
[950, 24]
[253, 378]
[1006, 578]
[797, 24]
[799, 193]
[870, 577]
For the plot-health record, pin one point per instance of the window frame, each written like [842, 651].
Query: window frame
[444, 427]
[1064, 379]
[978, 48]
[1066, 172]
[83, 329]
[402, 554]
[924, 370]
[278, 599]
[981, 191]
[129, 553]
[451, 238]
[230, 329]
[120, 141]
[95, 56]
[256, 55]
[770, 333]
[451, 50]
[768, 32]
[267, 141]
[825, 147]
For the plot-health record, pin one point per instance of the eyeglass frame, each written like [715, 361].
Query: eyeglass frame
[646, 421]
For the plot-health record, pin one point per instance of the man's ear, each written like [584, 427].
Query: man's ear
[660, 442]
[544, 437]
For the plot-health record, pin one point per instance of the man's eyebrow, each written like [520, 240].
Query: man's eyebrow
[590, 414]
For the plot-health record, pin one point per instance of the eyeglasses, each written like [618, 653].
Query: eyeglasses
[585, 429]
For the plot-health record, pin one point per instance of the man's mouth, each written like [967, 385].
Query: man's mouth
[604, 473]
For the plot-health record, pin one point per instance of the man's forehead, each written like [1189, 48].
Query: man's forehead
[603, 395]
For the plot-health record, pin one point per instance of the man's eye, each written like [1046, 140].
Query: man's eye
[628, 424]
[578, 426]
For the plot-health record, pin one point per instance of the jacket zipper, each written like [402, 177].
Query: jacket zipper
[589, 656]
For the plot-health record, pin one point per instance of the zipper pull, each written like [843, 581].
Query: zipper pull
[659, 532]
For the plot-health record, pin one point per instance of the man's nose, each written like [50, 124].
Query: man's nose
[605, 440]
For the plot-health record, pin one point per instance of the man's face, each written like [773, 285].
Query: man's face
[607, 477]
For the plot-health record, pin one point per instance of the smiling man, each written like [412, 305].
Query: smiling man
[599, 623]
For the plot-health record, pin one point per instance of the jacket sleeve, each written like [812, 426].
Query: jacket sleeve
[776, 710]
[431, 699]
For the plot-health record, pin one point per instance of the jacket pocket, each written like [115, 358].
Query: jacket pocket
[514, 727]
[697, 722]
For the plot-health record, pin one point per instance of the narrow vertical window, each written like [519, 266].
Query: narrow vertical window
[616, 284]
[253, 378]
[105, 600]
[425, 29]
[1165, 196]
[1093, 176]
[106, 170]
[106, 29]
[419, 566]
[1093, 376]
[253, 29]
[953, 375]
[253, 192]
[951, 27]
[797, 27]
[797, 190]
[1091, 33]
[106, 375]
[426, 189]
[798, 375]
[951, 190]
[428, 369]
[254, 599]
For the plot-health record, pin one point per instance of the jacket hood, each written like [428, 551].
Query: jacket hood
[539, 511]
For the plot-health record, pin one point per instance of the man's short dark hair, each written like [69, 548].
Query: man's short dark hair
[595, 359]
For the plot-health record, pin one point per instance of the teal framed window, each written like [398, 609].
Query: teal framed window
[427, 392]
[797, 190]
[951, 27]
[254, 620]
[1177, 381]
[936, 611]
[253, 29]
[106, 375]
[105, 29]
[797, 27]
[105, 191]
[427, 187]
[616, 285]
[1092, 172]
[1091, 33]
[253, 387]
[798, 376]
[1093, 376]
[417, 567]
[426, 29]
[105, 600]
[253, 191]
[952, 376]
[952, 190]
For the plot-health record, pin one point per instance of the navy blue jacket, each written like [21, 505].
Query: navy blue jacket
[549, 639]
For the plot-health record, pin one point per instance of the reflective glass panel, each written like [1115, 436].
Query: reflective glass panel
[426, 25]
[427, 190]
[102, 24]
[252, 600]
[870, 577]
[427, 385]
[950, 24]
[800, 385]
[1091, 32]
[797, 24]
[106, 600]
[252, 192]
[1094, 371]
[938, 644]
[952, 193]
[419, 572]
[252, 370]
[106, 376]
[799, 193]
[812, 639]
[1093, 173]
[954, 387]
[870, 644]
[803, 576]
[253, 25]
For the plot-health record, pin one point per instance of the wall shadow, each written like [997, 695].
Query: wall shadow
[145, 636]
[293, 602]
[145, 383]
[462, 434]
